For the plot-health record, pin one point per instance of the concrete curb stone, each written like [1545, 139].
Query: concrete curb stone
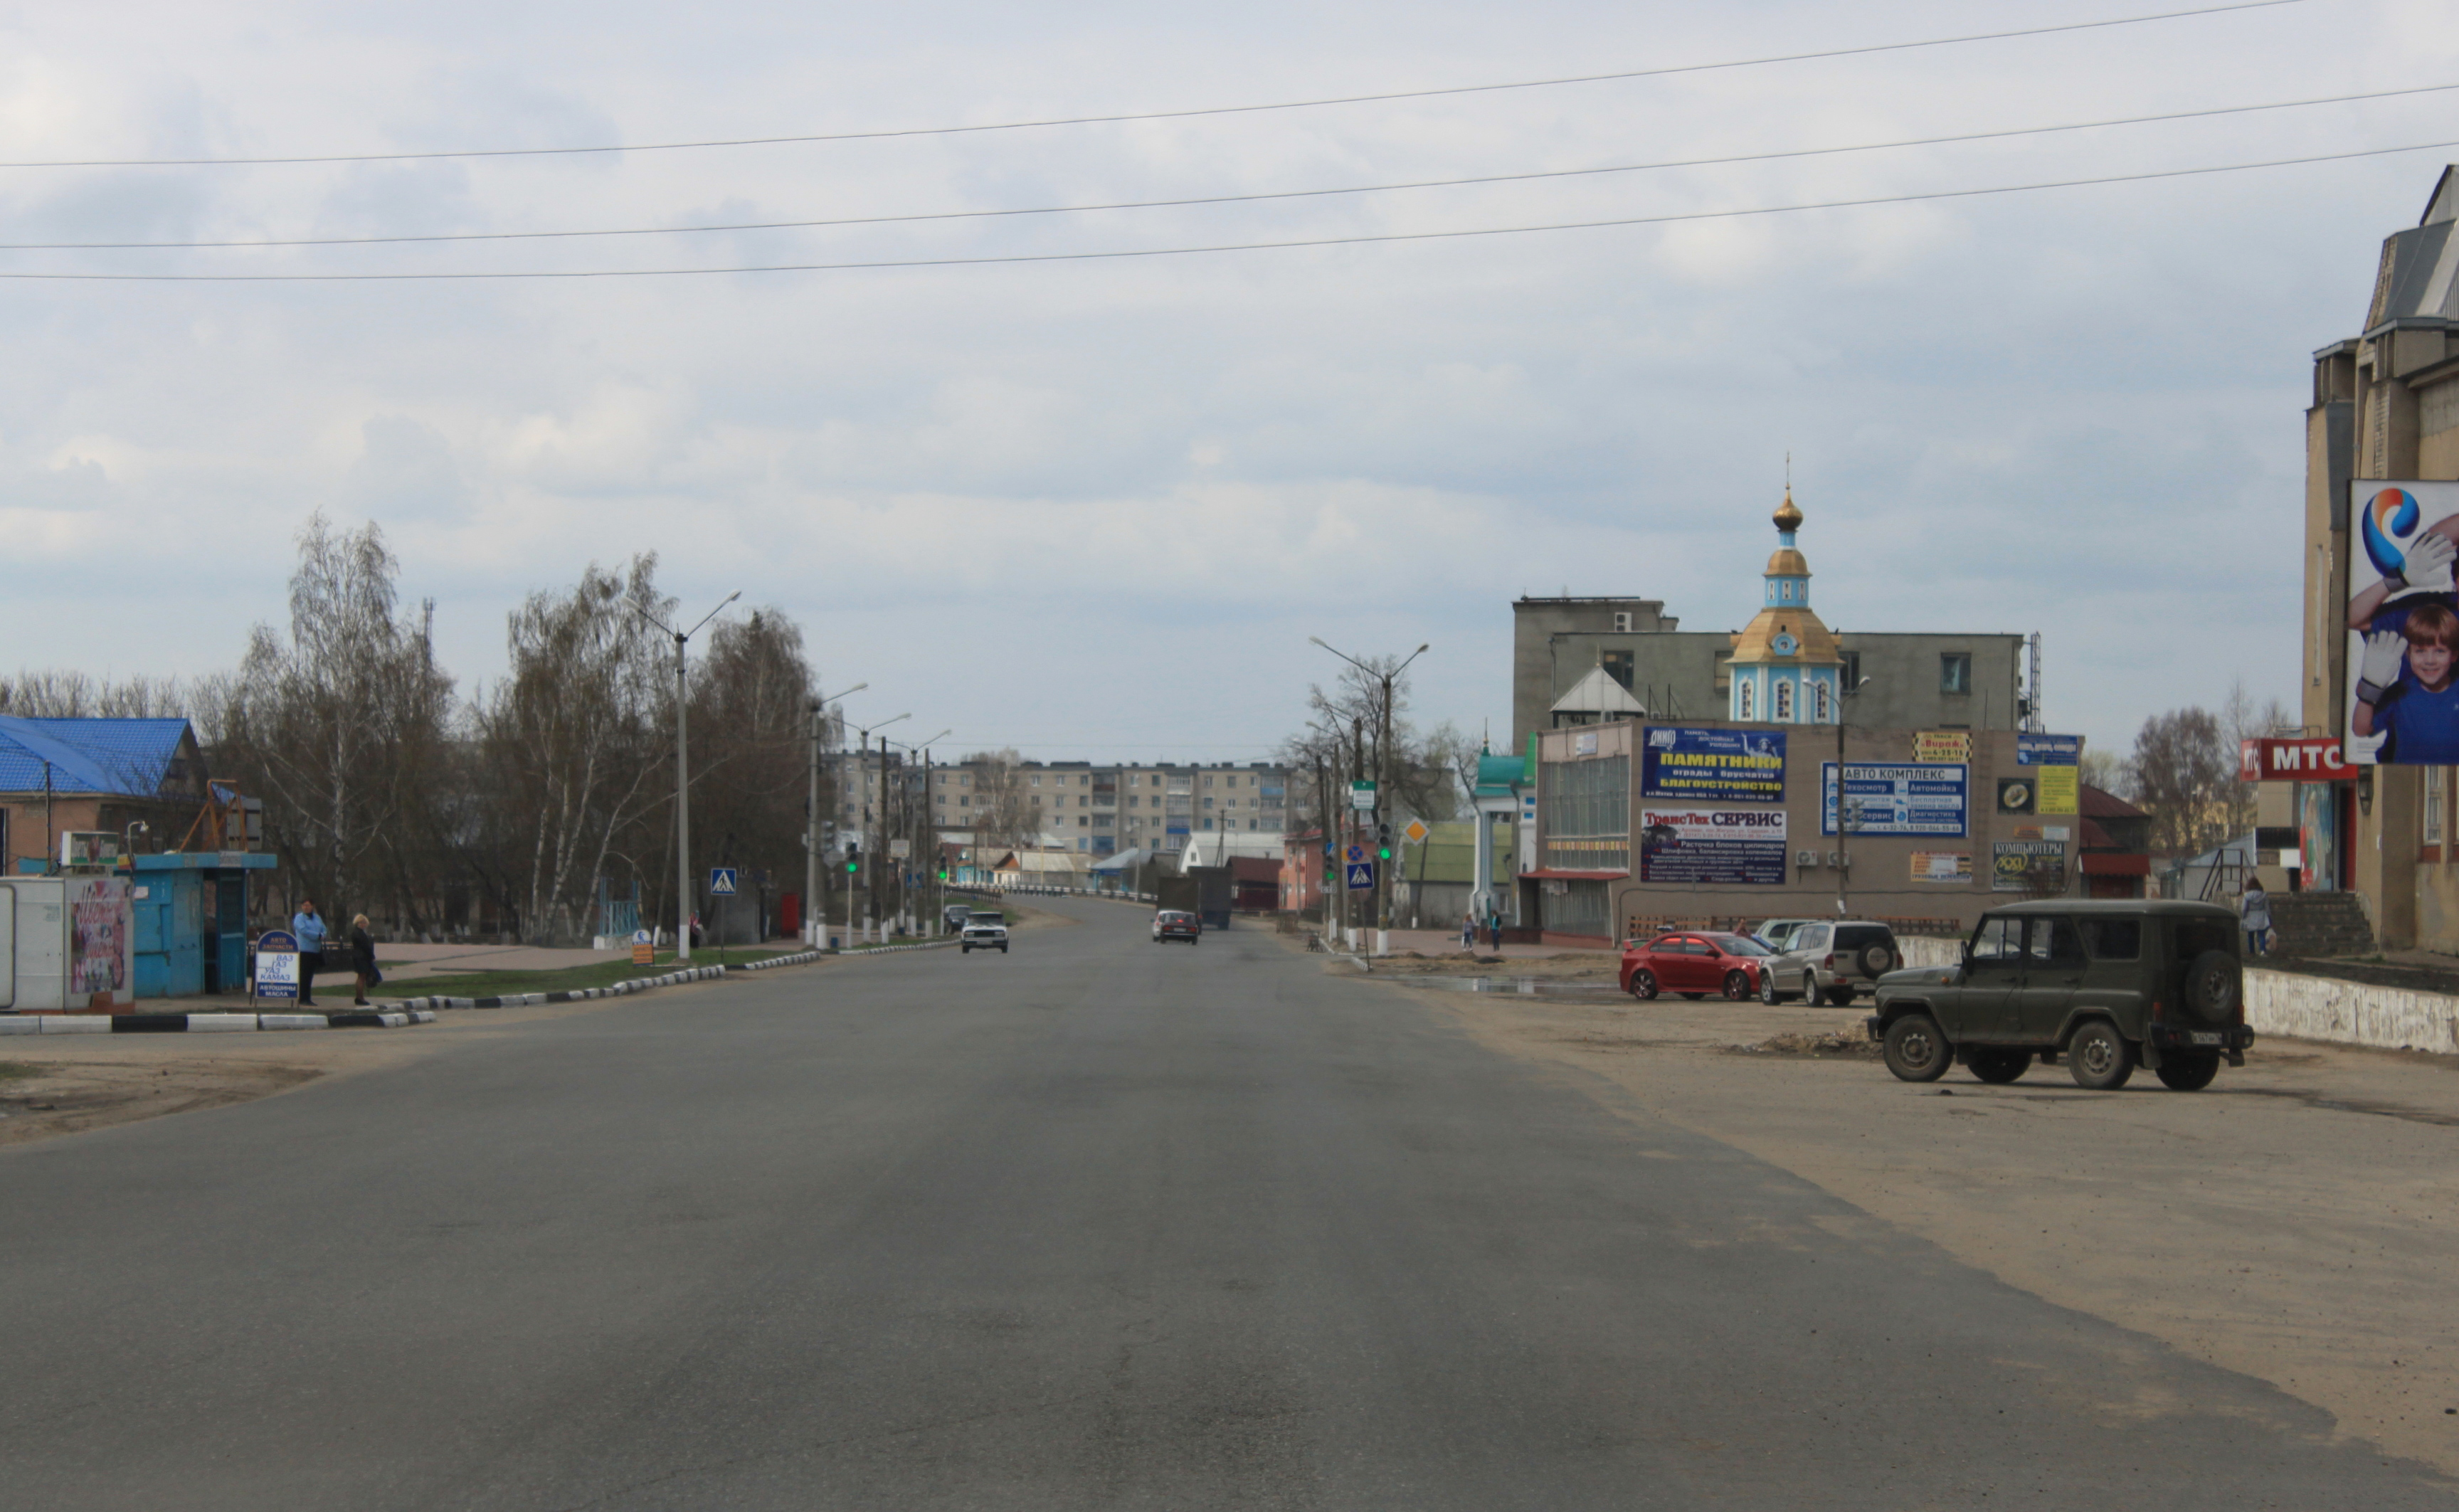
[208, 1022]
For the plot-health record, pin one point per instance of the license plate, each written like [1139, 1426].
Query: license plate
[2206, 1038]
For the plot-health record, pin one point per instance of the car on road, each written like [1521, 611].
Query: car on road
[2106, 985]
[1831, 960]
[1693, 963]
[984, 931]
[1176, 924]
[954, 917]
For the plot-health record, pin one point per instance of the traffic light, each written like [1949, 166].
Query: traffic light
[854, 855]
[1382, 842]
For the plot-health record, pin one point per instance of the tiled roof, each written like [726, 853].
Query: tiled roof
[117, 756]
[2100, 803]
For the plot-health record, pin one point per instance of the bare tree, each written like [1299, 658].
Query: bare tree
[2107, 772]
[1003, 816]
[319, 718]
[570, 745]
[2241, 721]
[2182, 770]
[751, 703]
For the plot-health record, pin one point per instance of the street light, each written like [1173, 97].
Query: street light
[683, 779]
[1382, 762]
[930, 824]
[812, 924]
[862, 766]
[1843, 833]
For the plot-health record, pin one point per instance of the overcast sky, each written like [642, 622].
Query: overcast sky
[1096, 508]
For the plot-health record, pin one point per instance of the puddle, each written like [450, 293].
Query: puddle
[1527, 987]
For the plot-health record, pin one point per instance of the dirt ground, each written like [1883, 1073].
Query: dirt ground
[2299, 1222]
[1569, 966]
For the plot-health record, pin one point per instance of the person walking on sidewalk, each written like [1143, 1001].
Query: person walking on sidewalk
[2255, 908]
[310, 933]
[362, 958]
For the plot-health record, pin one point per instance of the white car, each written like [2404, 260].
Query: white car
[984, 932]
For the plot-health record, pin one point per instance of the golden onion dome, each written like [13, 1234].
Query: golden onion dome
[1788, 515]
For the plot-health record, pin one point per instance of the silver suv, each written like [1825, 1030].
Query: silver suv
[1830, 960]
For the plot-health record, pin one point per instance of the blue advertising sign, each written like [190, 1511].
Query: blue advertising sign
[1712, 766]
[1891, 798]
[2049, 750]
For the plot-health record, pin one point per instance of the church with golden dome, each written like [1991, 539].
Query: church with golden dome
[1786, 667]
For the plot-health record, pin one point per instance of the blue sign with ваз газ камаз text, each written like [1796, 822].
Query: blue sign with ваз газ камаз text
[1712, 766]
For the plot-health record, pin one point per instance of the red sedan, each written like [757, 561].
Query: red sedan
[1693, 964]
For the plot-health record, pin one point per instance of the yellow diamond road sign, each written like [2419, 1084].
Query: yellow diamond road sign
[1416, 832]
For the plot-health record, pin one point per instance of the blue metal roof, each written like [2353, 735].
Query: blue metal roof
[119, 756]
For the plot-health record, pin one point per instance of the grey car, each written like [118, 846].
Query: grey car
[1831, 960]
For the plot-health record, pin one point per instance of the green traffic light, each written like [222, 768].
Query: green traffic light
[1383, 854]
[852, 867]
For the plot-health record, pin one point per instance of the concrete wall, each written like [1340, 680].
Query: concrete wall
[2300, 1007]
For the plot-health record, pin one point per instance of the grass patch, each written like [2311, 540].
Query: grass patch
[18, 1070]
[571, 979]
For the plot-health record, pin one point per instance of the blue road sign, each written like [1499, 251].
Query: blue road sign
[1361, 876]
[721, 881]
[1357, 853]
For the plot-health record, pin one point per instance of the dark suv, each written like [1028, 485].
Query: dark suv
[2107, 985]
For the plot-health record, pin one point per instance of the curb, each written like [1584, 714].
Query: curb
[622, 989]
[209, 1022]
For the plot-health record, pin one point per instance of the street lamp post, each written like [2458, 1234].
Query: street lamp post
[929, 825]
[683, 777]
[862, 767]
[815, 925]
[1843, 826]
[1383, 774]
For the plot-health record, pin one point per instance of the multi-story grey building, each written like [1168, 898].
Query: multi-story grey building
[1101, 808]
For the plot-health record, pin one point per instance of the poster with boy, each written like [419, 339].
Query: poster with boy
[2404, 621]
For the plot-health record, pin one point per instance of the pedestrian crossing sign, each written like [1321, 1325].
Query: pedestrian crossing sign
[721, 881]
[1361, 876]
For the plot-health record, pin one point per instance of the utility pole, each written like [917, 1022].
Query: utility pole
[682, 776]
[863, 821]
[815, 914]
[1843, 813]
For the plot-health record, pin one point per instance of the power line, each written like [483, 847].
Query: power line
[1219, 199]
[1363, 239]
[1152, 115]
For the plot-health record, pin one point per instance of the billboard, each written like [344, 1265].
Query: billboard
[2056, 766]
[1953, 867]
[1718, 845]
[2403, 624]
[1712, 766]
[1896, 798]
[2038, 866]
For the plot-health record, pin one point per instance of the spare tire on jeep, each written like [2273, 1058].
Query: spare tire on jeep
[2213, 988]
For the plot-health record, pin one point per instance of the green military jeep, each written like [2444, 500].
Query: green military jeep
[2104, 984]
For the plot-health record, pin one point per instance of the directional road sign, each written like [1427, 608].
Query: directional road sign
[721, 881]
[1361, 876]
[1361, 796]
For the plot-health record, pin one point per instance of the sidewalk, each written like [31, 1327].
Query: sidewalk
[1446, 942]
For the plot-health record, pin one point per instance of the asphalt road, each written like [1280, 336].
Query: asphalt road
[1095, 1224]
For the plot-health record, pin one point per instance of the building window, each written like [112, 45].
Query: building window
[1818, 704]
[1852, 670]
[1955, 672]
[1784, 700]
[1745, 703]
[2434, 778]
[1622, 625]
[1618, 666]
[1037, 782]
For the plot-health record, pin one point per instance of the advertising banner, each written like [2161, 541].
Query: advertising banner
[277, 965]
[2055, 762]
[1721, 846]
[2403, 624]
[1941, 745]
[1897, 798]
[1712, 766]
[1943, 866]
[102, 936]
[2296, 758]
[2028, 866]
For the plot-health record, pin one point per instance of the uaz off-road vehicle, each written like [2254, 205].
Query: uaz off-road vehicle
[2107, 985]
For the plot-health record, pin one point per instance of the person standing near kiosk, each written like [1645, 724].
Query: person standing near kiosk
[311, 932]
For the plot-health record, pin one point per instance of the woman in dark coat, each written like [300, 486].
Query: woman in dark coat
[362, 955]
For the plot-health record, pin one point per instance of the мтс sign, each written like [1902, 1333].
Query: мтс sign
[2296, 758]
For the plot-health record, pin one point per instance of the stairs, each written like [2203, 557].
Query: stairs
[2320, 924]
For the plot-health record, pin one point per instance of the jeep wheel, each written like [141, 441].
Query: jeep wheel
[2000, 1066]
[1643, 985]
[1841, 995]
[1738, 987]
[2215, 987]
[2188, 1070]
[2099, 1057]
[1768, 993]
[1915, 1050]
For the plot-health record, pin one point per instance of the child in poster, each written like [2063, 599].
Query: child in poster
[2404, 690]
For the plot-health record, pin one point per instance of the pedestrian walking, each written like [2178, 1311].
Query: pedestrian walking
[2255, 910]
[1468, 931]
[363, 956]
[309, 930]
